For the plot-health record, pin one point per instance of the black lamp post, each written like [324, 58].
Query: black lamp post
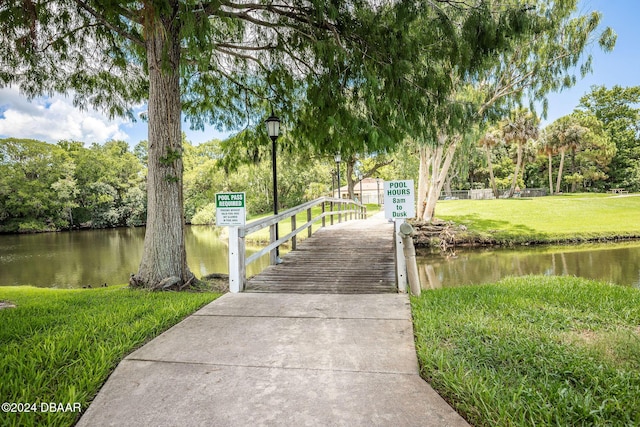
[337, 159]
[273, 130]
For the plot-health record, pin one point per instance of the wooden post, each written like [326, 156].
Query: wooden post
[339, 211]
[310, 229]
[401, 264]
[273, 257]
[237, 268]
[294, 238]
[331, 207]
[324, 223]
[406, 233]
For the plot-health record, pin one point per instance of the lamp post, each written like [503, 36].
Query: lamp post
[337, 158]
[361, 195]
[273, 130]
[378, 185]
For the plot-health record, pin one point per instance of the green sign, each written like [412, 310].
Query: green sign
[230, 209]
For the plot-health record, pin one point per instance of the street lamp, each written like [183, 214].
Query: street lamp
[273, 130]
[337, 159]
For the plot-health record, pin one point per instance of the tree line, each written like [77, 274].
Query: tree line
[46, 187]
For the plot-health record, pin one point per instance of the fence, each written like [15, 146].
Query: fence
[238, 261]
[487, 193]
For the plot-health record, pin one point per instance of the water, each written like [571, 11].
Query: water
[94, 257]
[617, 263]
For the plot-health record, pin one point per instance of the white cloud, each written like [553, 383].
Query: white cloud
[54, 118]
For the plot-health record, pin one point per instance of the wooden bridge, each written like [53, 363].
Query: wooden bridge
[354, 255]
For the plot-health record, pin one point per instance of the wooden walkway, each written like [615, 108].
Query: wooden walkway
[353, 257]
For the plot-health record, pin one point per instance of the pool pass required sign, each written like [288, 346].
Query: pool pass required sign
[399, 199]
[230, 209]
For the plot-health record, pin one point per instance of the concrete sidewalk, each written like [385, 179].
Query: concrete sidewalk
[277, 360]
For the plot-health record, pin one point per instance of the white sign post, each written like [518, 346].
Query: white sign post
[399, 204]
[231, 212]
[230, 209]
[399, 200]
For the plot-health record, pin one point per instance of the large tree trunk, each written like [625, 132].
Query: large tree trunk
[559, 179]
[423, 177]
[350, 182]
[550, 175]
[164, 260]
[517, 171]
[440, 164]
[491, 177]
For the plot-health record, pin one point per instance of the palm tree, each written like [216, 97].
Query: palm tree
[565, 134]
[572, 138]
[521, 127]
[489, 140]
[549, 147]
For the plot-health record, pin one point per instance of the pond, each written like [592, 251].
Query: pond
[93, 257]
[617, 263]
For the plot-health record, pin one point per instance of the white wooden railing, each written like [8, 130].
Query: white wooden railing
[238, 261]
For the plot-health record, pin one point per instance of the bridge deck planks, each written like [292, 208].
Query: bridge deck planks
[354, 257]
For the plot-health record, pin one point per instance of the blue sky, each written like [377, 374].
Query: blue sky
[55, 118]
[620, 67]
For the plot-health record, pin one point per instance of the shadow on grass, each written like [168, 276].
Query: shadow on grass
[499, 229]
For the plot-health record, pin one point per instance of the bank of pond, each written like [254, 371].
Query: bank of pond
[96, 257]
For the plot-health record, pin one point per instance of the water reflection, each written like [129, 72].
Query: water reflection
[93, 257]
[614, 263]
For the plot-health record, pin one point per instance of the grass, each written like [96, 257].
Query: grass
[571, 218]
[535, 350]
[61, 345]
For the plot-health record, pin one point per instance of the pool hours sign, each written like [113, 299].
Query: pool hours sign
[399, 199]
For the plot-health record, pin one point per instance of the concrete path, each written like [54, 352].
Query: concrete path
[277, 360]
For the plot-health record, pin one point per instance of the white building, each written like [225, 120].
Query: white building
[372, 191]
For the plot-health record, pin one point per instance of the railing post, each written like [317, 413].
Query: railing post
[272, 238]
[401, 263]
[294, 238]
[352, 207]
[339, 211]
[237, 268]
[310, 229]
[324, 223]
[331, 207]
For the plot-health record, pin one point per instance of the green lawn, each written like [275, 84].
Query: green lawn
[547, 219]
[59, 346]
[533, 351]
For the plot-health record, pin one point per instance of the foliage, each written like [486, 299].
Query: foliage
[533, 351]
[36, 186]
[619, 112]
[49, 187]
[61, 345]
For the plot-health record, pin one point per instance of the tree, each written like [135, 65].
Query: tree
[522, 67]
[30, 173]
[490, 139]
[579, 131]
[215, 61]
[518, 129]
[549, 148]
[617, 109]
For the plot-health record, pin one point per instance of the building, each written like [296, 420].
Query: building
[372, 191]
